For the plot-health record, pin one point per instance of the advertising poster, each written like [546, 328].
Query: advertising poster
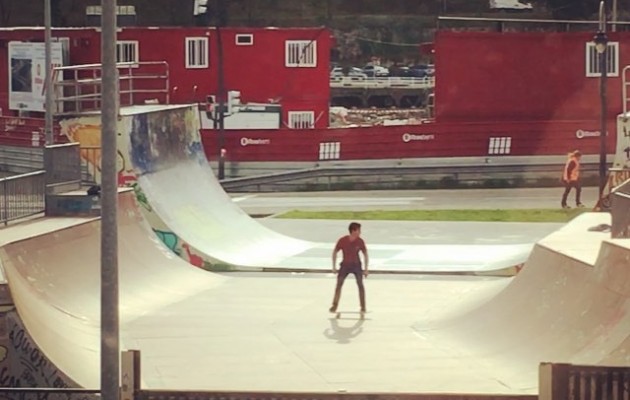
[27, 72]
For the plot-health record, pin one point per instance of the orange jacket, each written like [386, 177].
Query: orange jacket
[571, 169]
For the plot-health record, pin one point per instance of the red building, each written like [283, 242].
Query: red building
[497, 96]
[285, 66]
[510, 95]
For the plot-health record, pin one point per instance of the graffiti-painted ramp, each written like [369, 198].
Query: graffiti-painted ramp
[54, 278]
[163, 157]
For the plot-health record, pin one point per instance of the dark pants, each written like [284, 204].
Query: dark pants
[344, 271]
[567, 189]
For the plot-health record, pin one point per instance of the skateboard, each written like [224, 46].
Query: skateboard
[360, 314]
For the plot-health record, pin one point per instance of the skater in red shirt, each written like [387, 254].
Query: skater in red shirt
[350, 245]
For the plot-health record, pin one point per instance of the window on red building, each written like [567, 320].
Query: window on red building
[127, 51]
[593, 61]
[244, 39]
[301, 53]
[197, 52]
[301, 119]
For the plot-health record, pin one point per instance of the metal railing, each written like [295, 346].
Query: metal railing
[382, 83]
[90, 165]
[625, 83]
[583, 382]
[332, 176]
[79, 89]
[22, 196]
[62, 163]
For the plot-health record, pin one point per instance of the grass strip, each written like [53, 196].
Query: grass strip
[504, 215]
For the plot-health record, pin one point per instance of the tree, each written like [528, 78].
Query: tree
[5, 12]
[572, 9]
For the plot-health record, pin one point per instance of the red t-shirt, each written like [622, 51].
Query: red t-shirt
[350, 249]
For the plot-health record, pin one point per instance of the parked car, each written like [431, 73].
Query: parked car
[375, 70]
[419, 71]
[352, 72]
[510, 5]
[402, 72]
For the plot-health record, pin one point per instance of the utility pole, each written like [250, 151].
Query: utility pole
[48, 126]
[601, 45]
[110, 335]
[221, 97]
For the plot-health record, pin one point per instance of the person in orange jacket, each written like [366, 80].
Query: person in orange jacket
[571, 178]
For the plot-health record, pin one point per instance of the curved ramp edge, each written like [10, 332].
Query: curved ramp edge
[55, 281]
[569, 304]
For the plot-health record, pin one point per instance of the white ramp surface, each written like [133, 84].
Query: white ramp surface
[164, 148]
[55, 283]
[251, 332]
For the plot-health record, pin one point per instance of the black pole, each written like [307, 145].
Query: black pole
[603, 130]
[221, 97]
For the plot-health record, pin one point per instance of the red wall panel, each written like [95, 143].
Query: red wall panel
[520, 76]
[414, 141]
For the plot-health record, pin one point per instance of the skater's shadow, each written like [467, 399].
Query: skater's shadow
[343, 334]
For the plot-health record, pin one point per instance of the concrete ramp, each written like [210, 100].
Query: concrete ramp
[570, 303]
[55, 284]
[162, 157]
[251, 332]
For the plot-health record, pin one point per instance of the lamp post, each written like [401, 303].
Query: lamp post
[601, 45]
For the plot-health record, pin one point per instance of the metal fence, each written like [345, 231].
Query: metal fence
[580, 382]
[139, 82]
[62, 163]
[397, 177]
[22, 196]
[382, 83]
[91, 165]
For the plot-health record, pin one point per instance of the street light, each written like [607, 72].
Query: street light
[601, 46]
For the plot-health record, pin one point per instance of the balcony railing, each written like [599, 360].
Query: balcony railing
[382, 83]
[79, 88]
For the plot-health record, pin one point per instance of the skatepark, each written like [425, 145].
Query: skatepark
[442, 319]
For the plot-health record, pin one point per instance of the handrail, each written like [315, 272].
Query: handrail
[385, 82]
[232, 184]
[79, 89]
[22, 196]
[624, 92]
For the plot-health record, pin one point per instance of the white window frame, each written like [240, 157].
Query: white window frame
[300, 53]
[301, 119]
[329, 150]
[243, 36]
[122, 54]
[197, 53]
[500, 145]
[592, 59]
